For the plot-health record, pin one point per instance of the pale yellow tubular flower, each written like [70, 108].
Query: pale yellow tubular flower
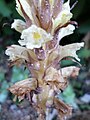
[66, 31]
[15, 51]
[27, 9]
[34, 37]
[18, 25]
[64, 16]
[18, 8]
[70, 50]
[67, 71]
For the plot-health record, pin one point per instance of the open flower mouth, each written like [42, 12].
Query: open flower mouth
[36, 36]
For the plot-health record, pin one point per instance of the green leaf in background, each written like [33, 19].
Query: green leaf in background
[4, 10]
[66, 63]
[84, 53]
[19, 74]
[4, 91]
[69, 96]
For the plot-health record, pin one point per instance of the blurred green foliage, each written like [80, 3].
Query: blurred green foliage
[17, 75]
[68, 96]
[7, 15]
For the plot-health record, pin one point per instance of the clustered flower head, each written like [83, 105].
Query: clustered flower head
[45, 23]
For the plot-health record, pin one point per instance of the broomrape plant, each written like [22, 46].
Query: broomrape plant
[45, 23]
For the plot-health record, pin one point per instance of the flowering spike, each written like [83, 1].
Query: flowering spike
[46, 23]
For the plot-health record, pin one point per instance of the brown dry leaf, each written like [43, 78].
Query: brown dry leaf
[23, 87]
[18, 55]
[54, 77]
[63, 109]
[53, 74]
